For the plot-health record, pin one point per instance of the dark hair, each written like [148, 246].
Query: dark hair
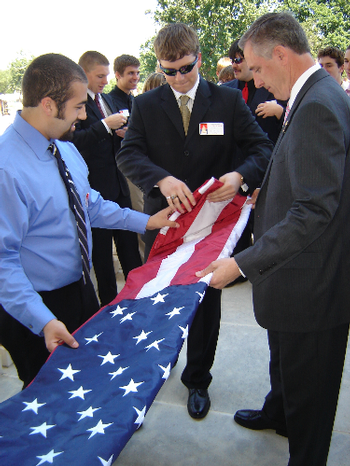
[332, 52]
[154, 80]
[51, 75]
[274, 29]
[90, 59]
[121, 62]
[235, 49]
[175, 41]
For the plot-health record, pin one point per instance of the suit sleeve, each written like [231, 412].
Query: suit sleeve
[133, 160]
[254, 145]
[313, 162]
[85, 137]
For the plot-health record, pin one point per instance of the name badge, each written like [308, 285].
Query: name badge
[125, 112]
[211, 129]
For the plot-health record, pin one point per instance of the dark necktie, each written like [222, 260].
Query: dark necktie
[185, 113]
[76, 207]
[98, 103]
[245, 93]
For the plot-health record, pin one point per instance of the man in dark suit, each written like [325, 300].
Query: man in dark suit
[299, 263]
[167, 154]
[96, 140]
[267, 112]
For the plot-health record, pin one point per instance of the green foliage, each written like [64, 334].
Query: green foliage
[17, 68]
[4, 81]
[110, 86]
[220, 22]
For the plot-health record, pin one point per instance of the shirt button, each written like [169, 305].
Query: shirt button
[187, 153]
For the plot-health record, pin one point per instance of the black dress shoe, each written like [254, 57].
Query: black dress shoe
[256, 420]
[198, 403]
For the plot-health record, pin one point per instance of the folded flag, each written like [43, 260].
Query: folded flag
[85, 404]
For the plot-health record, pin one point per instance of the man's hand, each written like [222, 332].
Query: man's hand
[224, 272]
[55, 333]
[177, 191]
[161, 219]
[121, 132]
[252, 199]
[269, 108]
[116, 120]
[232, 183]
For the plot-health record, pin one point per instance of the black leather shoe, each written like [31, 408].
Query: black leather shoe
[198, 403]
[256, 420]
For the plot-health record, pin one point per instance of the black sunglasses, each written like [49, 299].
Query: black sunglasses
[183, 70]
[238, 60]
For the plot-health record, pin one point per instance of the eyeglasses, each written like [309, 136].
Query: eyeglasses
[238, 60]
[183, 70]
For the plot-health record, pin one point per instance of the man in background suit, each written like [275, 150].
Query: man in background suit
[299, 263]
[96, 140]
[168, 156]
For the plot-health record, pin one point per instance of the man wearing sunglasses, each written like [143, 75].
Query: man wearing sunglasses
[167, 153]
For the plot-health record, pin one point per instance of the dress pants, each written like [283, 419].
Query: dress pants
[305, 374]
[126, 243]
[202, 338]
[73, 305]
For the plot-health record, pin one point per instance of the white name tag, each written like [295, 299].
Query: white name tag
[125, 112]
[211, 129]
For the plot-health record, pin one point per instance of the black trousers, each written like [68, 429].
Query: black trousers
[305, 374]
[203, 335]
[126, 243]
[72, 304]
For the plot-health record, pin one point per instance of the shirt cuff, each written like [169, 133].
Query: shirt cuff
[108, 129]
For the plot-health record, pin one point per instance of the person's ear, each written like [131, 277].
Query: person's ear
[48, 106]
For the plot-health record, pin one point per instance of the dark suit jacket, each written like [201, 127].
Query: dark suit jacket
[271, 125]
[98, 148]
[299, 264]
[155, 145]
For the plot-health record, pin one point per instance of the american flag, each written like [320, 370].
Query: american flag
[85, 404]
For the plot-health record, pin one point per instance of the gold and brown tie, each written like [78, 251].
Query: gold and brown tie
[185, 113]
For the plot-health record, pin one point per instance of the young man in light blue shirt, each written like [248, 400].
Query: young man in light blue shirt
[43, 295]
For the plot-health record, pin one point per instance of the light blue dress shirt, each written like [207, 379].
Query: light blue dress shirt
[39, 247]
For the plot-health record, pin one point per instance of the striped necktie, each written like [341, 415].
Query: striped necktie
[286, 113]
[76, 207]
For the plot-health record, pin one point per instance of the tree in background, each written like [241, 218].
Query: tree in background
[11, 79]
[4, 81]
[219, 22]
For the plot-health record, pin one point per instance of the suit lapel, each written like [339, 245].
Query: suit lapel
[201, 105]
[91, 104]
[109, 102]
[320, 74]
[171, 108]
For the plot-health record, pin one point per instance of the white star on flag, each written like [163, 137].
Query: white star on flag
[166, 371]
[106, 463]
[131, 387]
[99, 428]
[140, 416]
[42, 429]
[143, 336]
[154, 345]
[127, 317]
[118, 372]
[68, 373]
[184, 331]
[79, 393]
[87, 413]
[94, 338]
[109, 357]
[201, 296]
[174, 312]
[34, 406]
[159, 298]
[118, 311]
[48, 458]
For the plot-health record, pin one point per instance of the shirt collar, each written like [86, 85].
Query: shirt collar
[33, 138]
[191, 93]
[300, 83]
[91, 94]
